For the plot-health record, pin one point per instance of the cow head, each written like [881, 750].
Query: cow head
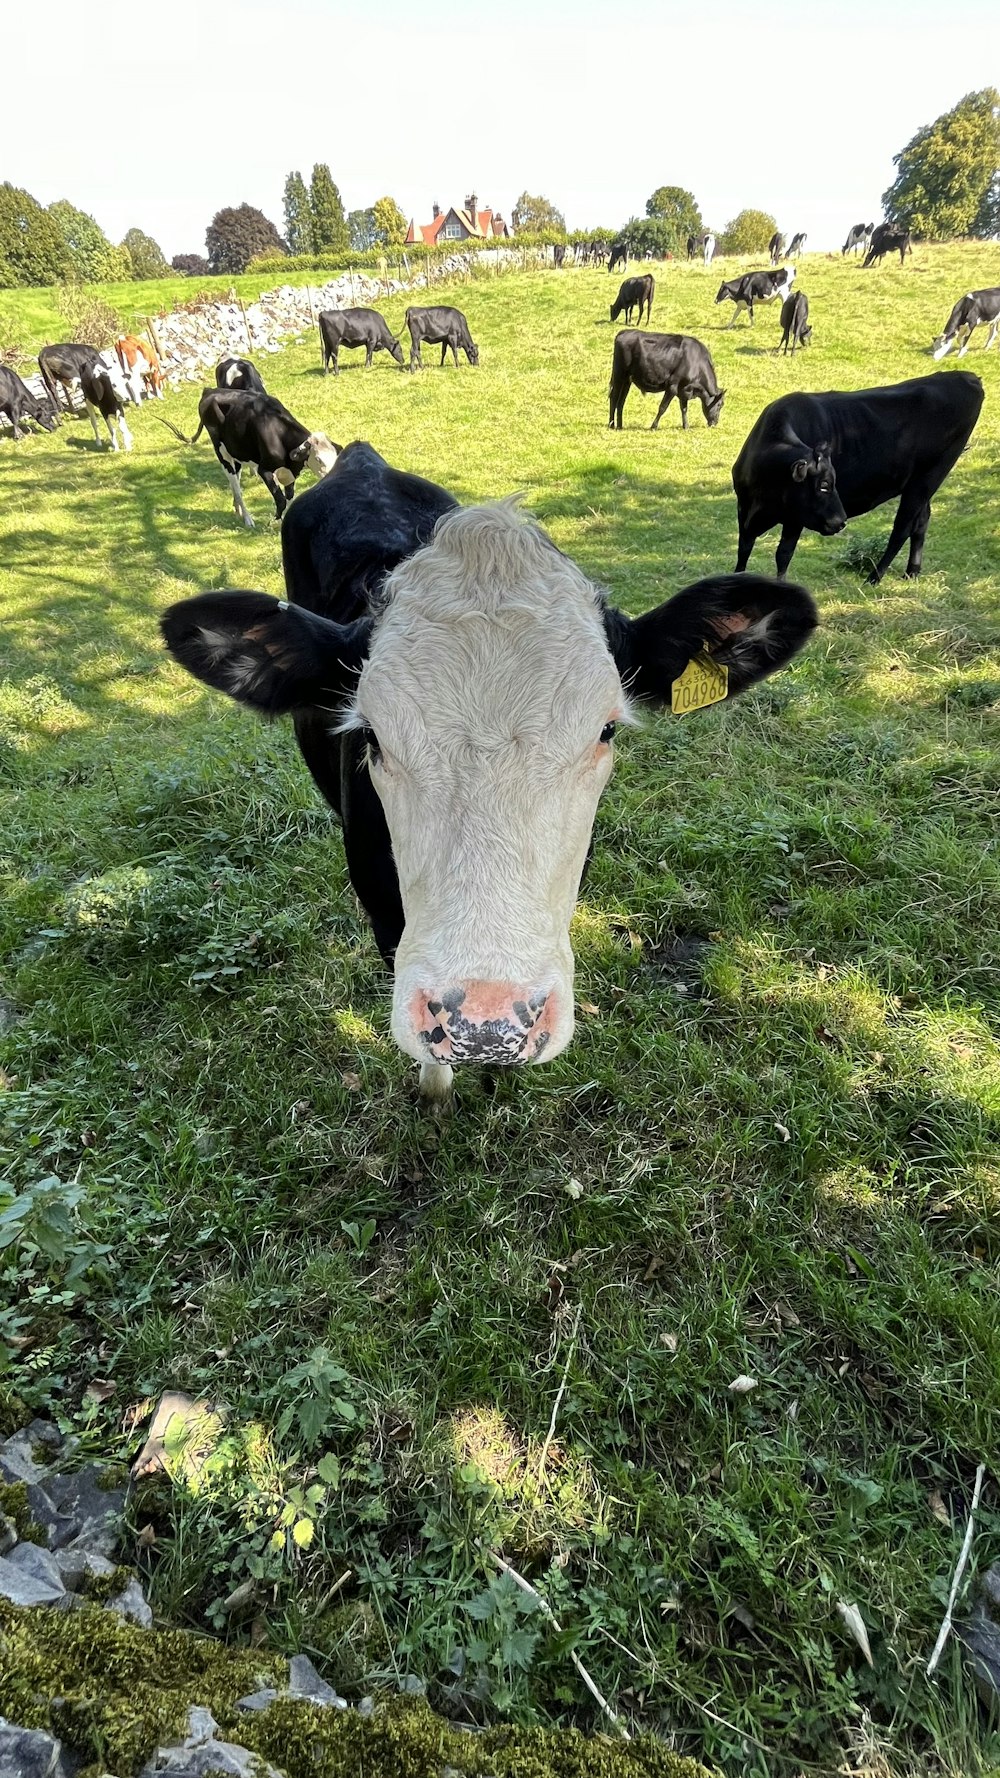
[813, 488]
[724, 291]
[396, 351]
[43, 412]
[318, 451]
[483, 700]
[711, 406]
[473, 353]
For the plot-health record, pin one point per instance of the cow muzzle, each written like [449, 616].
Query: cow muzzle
[486, 1022]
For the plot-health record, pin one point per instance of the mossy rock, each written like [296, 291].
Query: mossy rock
[14, 1413]
[14, 1506]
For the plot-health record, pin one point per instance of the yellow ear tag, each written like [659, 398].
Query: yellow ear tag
[702, 682]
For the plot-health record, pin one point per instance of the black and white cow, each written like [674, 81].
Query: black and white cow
[60, 367]
[671, 364]
[708, 247]
[634, 291]
[858, 237]
[776, 247]
[358, 327]
[754, 287]
[456, 683]
[971, 311]
[239, 373]
[796, 245]
[794, 322]
[17, 403]
[618, 253]
[105, 392]
[257, 430]
[811, 462]
[439, 326]
[888, 238]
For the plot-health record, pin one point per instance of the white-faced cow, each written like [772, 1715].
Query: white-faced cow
[970, 311]
[105, 393]
[257, 430]
[858, 237]
[671, 364]
[239, 373]
[17, 403]
[357, 327]
[888, 238]
[635, 291]
[811, 462]
[456, 683]
[776, 247]
[794, 322]
[439, 326]
[754, 287]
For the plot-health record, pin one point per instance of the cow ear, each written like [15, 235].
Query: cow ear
[800, 469]
[264, 652]
[745, 623]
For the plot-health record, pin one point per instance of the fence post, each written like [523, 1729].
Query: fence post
[151, 330]
[246, 324]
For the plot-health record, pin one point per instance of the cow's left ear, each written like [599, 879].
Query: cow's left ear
[744, 623]
[264, 652]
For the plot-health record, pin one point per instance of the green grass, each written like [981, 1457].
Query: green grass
[771, 1150]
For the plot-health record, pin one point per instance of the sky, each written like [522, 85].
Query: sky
[156, 117]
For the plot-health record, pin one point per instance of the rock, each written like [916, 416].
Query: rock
[30, 1753]
[131, 1604]
[74, 1564]
[40, 1563]
[200, 1754]
[8, 1534]
[989, 1587]
[58, 1527]
[305, 1682]
[96, 1510]
[17, 1464]
[24, 1588]
[981, 1637]
[257, 1700]
[181, 1434]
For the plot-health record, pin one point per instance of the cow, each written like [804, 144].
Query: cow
[794, 322]
[105, 392]
[60, 367]
[796, 245]
[886, 239]
[357, 327]
[754, 287]
[239, 373]
[858, 236]
[559, 256]
[776, 247]
[246, 427]
[811, 462]
[456, 683]
[442, 327]
[618, 253]
[634, 291]
[970, 312]
[673, 364]
[708, 248]
[140, 367]
[693, 245]
[17, 403]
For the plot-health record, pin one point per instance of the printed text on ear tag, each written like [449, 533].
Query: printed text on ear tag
[702, 682]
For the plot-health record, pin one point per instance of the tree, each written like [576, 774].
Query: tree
[191, 264]
[236, 236]
[329, 225]
[94, 260]
[390, 223]
[948, 171]
[32, 249]
[648, 237]
[536, 215]
[677, 208]
[298, 216]
[986, 226]
[148, 258]
[361, 230]
[749, 232]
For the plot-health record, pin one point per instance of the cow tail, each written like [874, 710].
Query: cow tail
[177, 432]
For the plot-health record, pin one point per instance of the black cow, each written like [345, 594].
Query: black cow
[754, 287]
[886, 239]
[776, 247]
[796, 245]
[795, 321]
[970, 312]
[811, 462]
[18, 403]
[105, 392]
[693, 244]
[618, 253]
[559, 255]
[442, 327]
[60, 367]
[671, 363]
[356, 327]
[633, 291]
[246, 427]
[239, 373]
[858, 236]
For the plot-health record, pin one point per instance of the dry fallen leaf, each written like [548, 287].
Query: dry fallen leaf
[851, 1616]
[669, 1340]
[101, 1389]
[351, 1081]
[146, 1537]
[588, 1007]
[556, 1292]
[573, 1188]
[785, 1134]
[239, 1597]
[939, 1509]
[742, 1385]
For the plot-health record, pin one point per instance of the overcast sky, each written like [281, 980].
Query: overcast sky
[155, 117]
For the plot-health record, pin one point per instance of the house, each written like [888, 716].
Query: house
[467, 224]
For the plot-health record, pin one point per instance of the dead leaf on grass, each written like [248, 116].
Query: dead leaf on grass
[742, 1385]
[351, 1081]
[101, 1389]
[669, 1340]
[938, 1508]
[851, 1617]
[588, 1007]
[784, 1132]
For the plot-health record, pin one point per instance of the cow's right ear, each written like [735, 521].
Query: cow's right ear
[745, 623]
[264, 652]
[800, 469]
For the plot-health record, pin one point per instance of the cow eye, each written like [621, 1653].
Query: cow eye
[372, 748]
[608, 733]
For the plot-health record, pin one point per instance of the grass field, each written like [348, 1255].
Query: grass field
[770, 1152]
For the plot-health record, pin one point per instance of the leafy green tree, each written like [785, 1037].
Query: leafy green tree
[148, 258]
[749, 232]
[677, 208]
[298, 215]
[94, 259]
[535, 215]
[390, 223]
[237, 235]
[986, 225]
[648, 237]
[329, 224]
[32, 249]
[193, 265]
[361, 228]
[946, 180]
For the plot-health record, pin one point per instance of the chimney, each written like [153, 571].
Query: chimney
[435, 211]
[470, 205]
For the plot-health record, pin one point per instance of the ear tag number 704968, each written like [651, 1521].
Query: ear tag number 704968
[702, 682]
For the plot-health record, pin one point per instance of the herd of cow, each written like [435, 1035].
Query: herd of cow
[455, 681]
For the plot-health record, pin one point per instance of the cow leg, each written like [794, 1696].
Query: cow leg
[416, 363]
[918, 533]
[744, 547]
[790, 534]
[278, 489]
[126, 436]
[661, 410]
[991, 336]
[92, 414]
[908, 515]
[233, 471]
[683, 403]
[369, 353]
[736, 315]
[969, 331]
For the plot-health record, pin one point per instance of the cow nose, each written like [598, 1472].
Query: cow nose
[483, 1022]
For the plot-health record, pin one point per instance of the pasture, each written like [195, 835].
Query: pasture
[770, 1153]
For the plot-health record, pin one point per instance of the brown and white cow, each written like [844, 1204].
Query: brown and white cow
[140, 367]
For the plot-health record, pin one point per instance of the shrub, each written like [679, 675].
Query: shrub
[89, 318]
[749, 232]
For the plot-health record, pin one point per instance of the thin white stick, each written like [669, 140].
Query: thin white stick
[945, 1629]
[550, 1435]
[545, 1607]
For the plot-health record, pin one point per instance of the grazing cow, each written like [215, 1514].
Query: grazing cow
[673, 364]
[633, 291]
[754, 287]
[357, 327]
[558, 255]
[797, 245]
[439, 327]
[886, 239]
[970, 312]
[60, 367]
[239, 373]
[245, 427]
[811, 462]
[105, 392]
[708, 248]
[776, 247]
[456, 683]
[17, 403]
[618, 253]
[693, 244]
[858, 236]
[795, 322]
[140, 367]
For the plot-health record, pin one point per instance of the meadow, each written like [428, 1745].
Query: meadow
[769, 1155]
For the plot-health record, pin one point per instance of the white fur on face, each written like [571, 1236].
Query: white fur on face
[487, 686]
[322, 454]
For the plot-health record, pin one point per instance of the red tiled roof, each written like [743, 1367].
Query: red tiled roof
[483, 225]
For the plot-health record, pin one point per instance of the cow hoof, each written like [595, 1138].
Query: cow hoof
[249, 523]
[435, 1084]
[874, 577]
